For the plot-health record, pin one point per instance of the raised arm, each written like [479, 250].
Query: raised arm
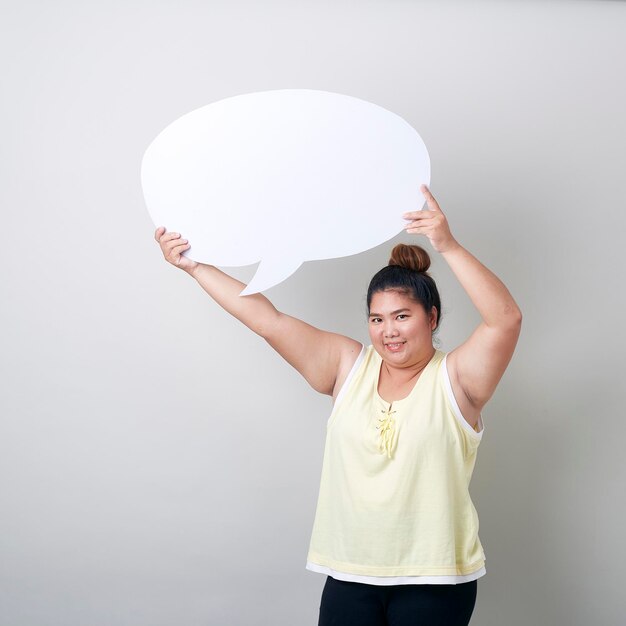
[476, 366]
[323, 358]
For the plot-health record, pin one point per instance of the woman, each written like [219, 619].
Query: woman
[395, 530]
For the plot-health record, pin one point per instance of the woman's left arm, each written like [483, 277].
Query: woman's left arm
[478, 364]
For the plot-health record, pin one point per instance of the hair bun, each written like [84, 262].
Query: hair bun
[412, 257]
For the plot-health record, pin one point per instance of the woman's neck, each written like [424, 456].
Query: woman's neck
[399, 375]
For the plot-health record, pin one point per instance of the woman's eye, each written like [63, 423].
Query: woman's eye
[402, 316]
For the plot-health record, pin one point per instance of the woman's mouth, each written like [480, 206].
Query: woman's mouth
[395, 347]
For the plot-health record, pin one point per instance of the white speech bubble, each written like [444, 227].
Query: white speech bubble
[284, 177]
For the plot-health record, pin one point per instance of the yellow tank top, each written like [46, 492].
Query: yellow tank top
[394, 493]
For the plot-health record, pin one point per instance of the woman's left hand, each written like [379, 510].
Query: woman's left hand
[432, 223]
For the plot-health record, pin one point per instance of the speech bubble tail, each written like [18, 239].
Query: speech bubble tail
[269, 274]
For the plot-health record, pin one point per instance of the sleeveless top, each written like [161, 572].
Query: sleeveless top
[394, 504]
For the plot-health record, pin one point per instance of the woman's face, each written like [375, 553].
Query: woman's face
[400, 329]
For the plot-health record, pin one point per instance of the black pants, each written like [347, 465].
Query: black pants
[358, 604]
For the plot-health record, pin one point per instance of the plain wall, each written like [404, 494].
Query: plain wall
[159, 463]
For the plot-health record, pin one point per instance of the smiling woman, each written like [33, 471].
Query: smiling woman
[395, 529]
[404, 306]
[400, 330]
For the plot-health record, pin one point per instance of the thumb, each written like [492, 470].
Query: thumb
[430, 199]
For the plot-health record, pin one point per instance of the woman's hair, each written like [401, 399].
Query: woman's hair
[407, 273]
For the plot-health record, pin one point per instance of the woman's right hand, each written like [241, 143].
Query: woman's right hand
[172, 247]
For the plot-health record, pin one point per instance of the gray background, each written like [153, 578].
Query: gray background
[159, 463]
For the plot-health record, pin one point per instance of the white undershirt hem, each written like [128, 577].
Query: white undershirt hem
[396, 580]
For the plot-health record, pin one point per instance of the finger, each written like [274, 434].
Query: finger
[431, 203]
[418, 215]
[427, 221]
[167, 237]
[158, 232]
[430, 199]
[174, 243]
[420, 225]
[179, 249]
[418, 230]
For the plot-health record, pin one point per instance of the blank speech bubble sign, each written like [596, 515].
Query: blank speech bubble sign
[284, 177]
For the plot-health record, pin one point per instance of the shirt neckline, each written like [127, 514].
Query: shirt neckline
[415, 386]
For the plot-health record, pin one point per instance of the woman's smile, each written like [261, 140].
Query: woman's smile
[395, 346]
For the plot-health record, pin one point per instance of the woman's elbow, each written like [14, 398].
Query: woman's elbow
[513, 317]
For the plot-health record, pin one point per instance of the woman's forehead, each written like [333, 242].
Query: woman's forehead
[391, 300]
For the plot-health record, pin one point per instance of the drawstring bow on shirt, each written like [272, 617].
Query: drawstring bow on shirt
[387, 431]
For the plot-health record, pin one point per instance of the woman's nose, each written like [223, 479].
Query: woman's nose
[390, 329]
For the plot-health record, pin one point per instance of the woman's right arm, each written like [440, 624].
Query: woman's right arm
[323, 358]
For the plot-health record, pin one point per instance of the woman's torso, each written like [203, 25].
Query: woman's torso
[398, 507]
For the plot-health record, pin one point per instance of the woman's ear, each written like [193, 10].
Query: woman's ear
[433, 318]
